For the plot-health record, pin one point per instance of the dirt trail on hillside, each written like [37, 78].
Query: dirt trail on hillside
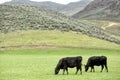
[110, 25]
[28, 47]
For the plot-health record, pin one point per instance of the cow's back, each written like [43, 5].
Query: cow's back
[73, 61]
[97, 60]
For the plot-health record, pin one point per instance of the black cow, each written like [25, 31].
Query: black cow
[70, 62]
[96, 61]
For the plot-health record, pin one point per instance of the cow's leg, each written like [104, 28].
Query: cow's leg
[67, 70]
[77, 68]
[81, 70]
[102, 67]
[63, 71]
[64, 68]
[93, 69]
[106, 67]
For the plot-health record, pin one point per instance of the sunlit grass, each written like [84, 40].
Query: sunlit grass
[53, 38]
[40, 64]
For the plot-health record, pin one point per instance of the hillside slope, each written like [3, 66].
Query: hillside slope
[25, 17]
[68, 9]
[52, 39]
[74, 7]
[102, 10]
[44, 4]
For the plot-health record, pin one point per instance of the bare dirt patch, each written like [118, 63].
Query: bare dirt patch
[111, 24]
[28, 47]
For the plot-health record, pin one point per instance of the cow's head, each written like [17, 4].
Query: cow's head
[57, 70]
[86, 68]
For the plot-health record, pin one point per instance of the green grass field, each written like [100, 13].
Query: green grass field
[39, 64]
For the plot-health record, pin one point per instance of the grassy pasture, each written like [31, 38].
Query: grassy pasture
[39, 64]
[53, 38]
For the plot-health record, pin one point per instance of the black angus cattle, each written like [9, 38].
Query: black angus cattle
[96, 61]
[70, 62]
